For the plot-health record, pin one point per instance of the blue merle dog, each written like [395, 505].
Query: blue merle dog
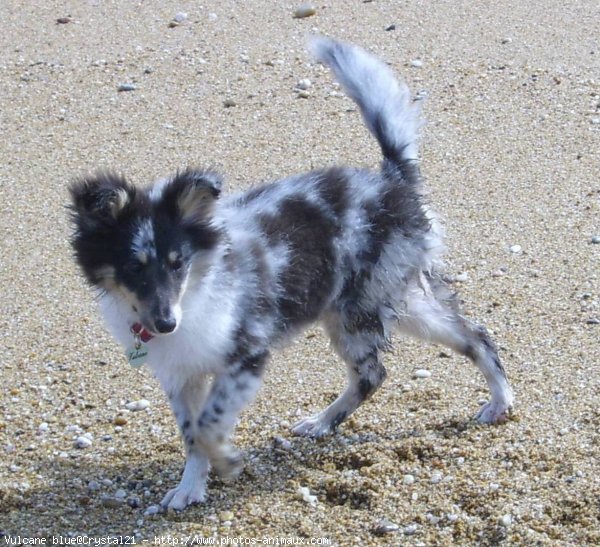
[203, 285]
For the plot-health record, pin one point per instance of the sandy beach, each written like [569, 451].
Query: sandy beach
[510, 152]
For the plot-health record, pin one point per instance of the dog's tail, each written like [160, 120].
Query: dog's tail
[386, 105]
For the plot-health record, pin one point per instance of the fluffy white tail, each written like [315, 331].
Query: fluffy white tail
[386, 104]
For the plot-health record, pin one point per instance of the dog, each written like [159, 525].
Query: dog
[199, 285]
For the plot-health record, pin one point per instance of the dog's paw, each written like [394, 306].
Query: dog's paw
[313, 427]
[182, 496]
[229, 465]
[494, 413]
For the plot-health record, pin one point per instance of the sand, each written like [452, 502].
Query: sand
[510, 152]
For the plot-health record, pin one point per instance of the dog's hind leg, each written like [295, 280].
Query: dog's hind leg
[430, 319]
[360, 351]
[186, 404]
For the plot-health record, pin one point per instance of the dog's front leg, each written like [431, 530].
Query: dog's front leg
[187, 404]
[231, 391]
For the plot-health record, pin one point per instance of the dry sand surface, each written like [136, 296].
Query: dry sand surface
[511, 155]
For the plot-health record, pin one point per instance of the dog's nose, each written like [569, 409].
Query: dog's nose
[165, 325]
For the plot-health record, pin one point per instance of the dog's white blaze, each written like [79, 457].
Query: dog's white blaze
[143, 245]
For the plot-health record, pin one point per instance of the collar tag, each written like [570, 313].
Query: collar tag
[137, 354]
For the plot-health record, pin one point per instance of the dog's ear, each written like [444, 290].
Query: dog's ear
[103, 198]
[194, 194]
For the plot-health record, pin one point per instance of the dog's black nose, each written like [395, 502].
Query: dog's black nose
[165, 325]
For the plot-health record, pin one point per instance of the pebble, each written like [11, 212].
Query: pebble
[120, 494]
[63, 20]
[408, 479]
[304, 493]
[83, 442]
[134, 502]
[111, 501]
[228, 103]
[498, 273]
[43, 427]
[180, 17]
[126, 87]
[120, 420]
[515, 249]
[505, 520]
[303, 94]
[410, 529]
[462, 277]
[93, 486]
[422, 373]
[152, 510]
[305, 10]
[595, 240]
[281, 442]
[390, 27]
[305, 83]
[436, 478]
[226, 516]
[385, 526]
[136, 406]
[416, 63]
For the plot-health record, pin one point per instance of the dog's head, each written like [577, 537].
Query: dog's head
[144, 244]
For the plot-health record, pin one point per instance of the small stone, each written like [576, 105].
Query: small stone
[120, 494]
[595, 121]
[436, 478]
[595, 240]
[305, 10]
[93, 486]
[43, 427]
[120, 420]
[282, 443]
[592, 321]
[498, 273]
[63, 20]
[180, 17]
[422, 373]
[416, 63]
[226, 516]
[152, 510]
[408, 479]
[228, 103]
[515, 249]
[461, 277]
[305, 83]
[390, 27]
[506, 41]
[304, 493]
[505, 520]
[111, 501]
[134, 502]
[136, 406]
[83, 442]
[385, 526]
[303, 94]
[126, 87]
[410, 529]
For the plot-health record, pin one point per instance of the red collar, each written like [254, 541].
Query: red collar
[145, 336]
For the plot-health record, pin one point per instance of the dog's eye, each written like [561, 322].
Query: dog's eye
[136, 267]
[176, 264]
